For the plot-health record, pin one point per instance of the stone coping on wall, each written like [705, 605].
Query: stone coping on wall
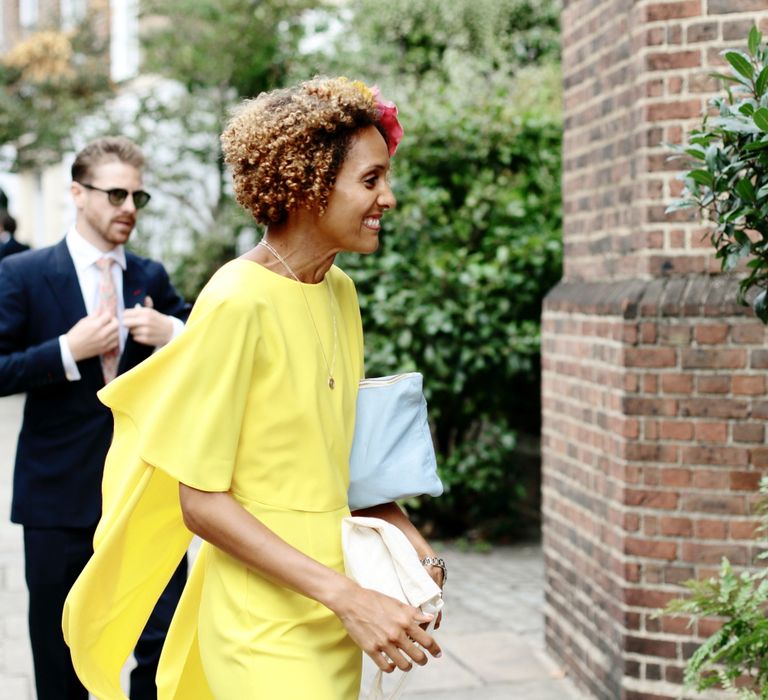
[690, 296]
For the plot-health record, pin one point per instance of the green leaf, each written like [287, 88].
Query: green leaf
[761, 82]
[747, 109]
[729, 78]
[756, 146]
[681, 204]
[745, 189]
[701, 139]
[760, 117]
[740, 64]
[734, 215]
[740, 125]
[702, 177]
[754, 39]
[711, 157]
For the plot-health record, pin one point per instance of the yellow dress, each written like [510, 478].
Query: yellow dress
[239, 402]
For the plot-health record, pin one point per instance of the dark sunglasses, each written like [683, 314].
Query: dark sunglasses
[117, 196]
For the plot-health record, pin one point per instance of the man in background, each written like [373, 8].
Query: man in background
[72, 317]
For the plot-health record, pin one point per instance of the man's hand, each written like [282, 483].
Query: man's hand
[93, 335]
[148, 326]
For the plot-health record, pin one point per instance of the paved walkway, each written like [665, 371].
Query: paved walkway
[492, 637]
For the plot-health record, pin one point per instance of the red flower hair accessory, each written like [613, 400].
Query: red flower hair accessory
[387, 114]
[388, 118]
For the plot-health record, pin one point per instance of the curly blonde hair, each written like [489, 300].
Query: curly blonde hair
[285, 147]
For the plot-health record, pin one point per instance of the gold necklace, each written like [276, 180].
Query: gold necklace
[328, 366]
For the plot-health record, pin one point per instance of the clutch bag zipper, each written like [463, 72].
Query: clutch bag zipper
[381, 381]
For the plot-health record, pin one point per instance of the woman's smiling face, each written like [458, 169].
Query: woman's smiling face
[359, 197]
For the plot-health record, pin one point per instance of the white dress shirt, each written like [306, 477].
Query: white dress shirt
[84, 256]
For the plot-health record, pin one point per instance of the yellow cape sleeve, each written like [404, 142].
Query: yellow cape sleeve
[177, 418]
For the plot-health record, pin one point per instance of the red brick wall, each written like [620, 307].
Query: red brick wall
[654, 386]
[636, 74]
[653, 440]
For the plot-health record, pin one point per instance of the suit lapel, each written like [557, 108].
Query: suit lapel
[62, 280]
[65, 288]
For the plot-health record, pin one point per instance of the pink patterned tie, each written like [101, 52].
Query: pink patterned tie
[108, 302]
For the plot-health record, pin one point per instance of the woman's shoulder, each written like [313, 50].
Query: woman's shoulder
[235, 281]
[234, 289]
[341, 281]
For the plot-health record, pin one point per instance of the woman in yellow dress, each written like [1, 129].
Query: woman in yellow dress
[241, 430]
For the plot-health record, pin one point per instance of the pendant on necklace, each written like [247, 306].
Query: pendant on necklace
[331, 383]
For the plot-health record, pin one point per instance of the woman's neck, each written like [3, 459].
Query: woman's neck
[297, 253]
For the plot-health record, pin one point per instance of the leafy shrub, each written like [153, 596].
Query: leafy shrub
[738, 651]
[729, 182]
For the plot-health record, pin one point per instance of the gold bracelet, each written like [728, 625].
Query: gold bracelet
[438, 562]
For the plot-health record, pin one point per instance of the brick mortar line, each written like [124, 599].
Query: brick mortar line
[582, 619]
[575, 422]
[587, 601]
[661, 372]
[592, 367]
[672, 441]
[586, 597]
[685, 23]
[650, 511]
[578, 639]
[574, 440]
[577, 20]
[585, 380]
[589, 341]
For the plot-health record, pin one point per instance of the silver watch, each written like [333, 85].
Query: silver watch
[436, 561]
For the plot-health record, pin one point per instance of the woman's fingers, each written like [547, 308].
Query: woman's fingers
[388, 631]
[407, 649]
[397, 659]
[383, 661]
[426, 641]
[402, 655]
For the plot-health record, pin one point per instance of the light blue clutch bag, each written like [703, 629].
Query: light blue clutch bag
[392, 452]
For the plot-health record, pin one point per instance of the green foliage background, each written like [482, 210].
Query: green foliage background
[37, 116]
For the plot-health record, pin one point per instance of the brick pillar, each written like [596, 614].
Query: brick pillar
[654, 383]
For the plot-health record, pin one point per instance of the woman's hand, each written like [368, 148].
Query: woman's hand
[392, 513]
[389, 631]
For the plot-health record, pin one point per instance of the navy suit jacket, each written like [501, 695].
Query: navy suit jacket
[66, 430]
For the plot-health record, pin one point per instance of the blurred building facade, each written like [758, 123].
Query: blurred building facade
[39, 200]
